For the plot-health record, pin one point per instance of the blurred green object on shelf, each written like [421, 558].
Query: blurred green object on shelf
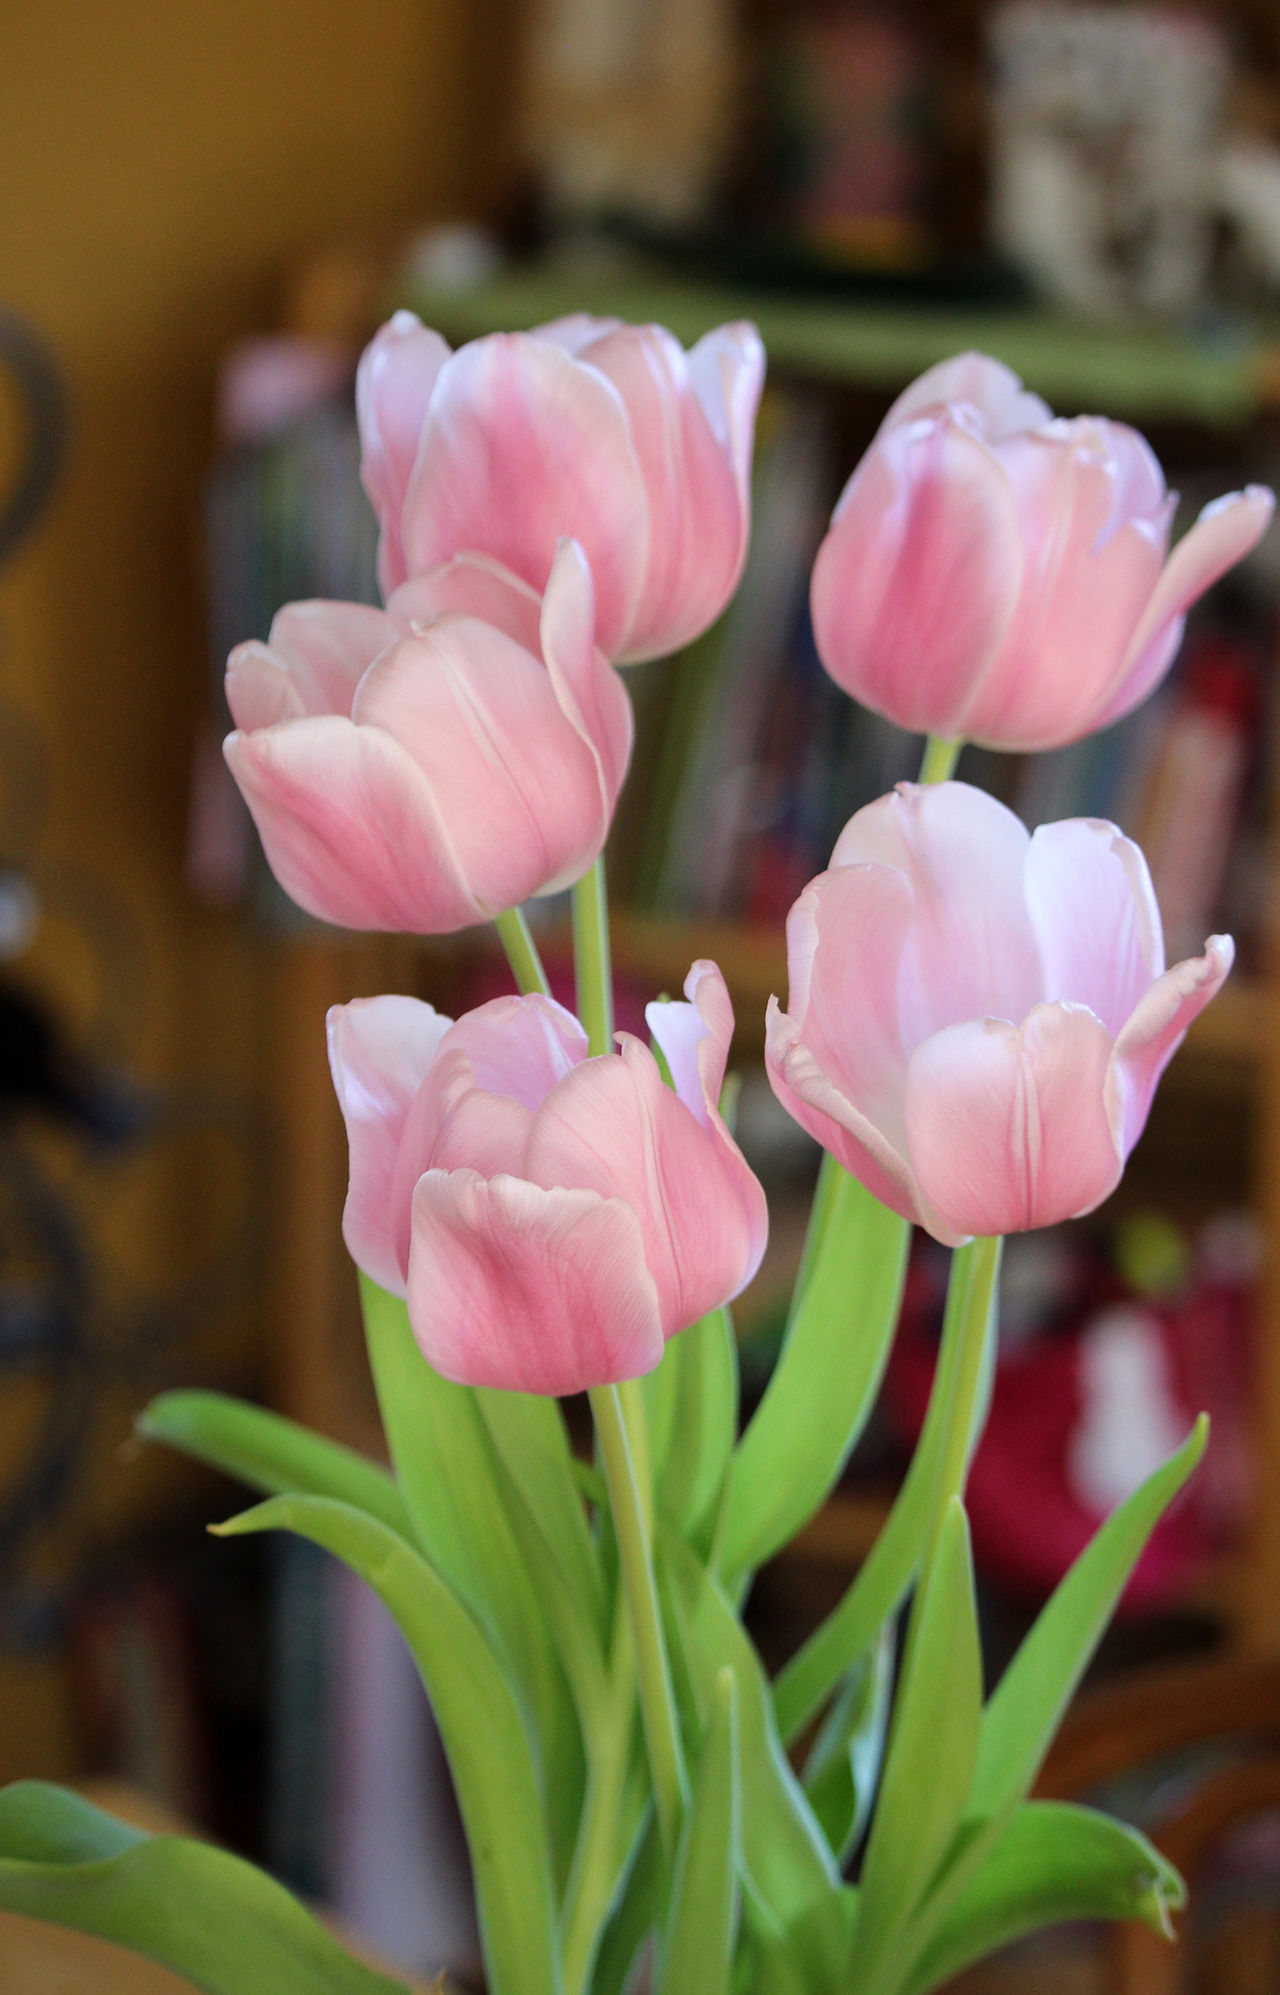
[1225, 375]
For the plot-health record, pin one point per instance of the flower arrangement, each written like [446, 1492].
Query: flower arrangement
[975, 1026]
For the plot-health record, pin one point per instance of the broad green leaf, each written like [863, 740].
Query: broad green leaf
[786, 1862]
[529, 1435]
[689, 1486]
[271, 1453]
[448, 1472]
[698, 1944]
[1053, 1863]
[228, 1928]
[882, 1581]
[1027, 1705]
[480, 1723]
[844, 1765]
[933, 1745]
[825, 1381]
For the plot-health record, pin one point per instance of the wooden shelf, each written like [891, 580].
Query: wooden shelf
[1224, 377]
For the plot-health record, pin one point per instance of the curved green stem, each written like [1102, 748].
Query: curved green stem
[591, 963]
[522, 953]
[940, 758]
[657, 1697]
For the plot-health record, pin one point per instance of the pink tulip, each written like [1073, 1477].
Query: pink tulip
[977, 1018]
[553, 1219]
[610, 433]
[997, 575]
[429, 765]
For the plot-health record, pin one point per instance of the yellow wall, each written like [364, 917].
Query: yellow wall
[163, 164]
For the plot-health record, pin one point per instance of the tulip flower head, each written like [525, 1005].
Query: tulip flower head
[552, 1218]
[978, 1018]
[995, 574]
[610, 433]
[427, 766]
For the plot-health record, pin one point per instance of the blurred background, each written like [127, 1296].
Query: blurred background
[210, 210]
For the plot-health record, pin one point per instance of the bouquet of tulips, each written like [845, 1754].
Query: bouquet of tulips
[976, 1024]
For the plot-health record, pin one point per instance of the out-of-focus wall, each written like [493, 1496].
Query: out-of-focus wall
[165, 163]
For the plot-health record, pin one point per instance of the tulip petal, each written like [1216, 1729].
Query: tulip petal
[1154, 1032]
[695, 1039]
[916, 583]
[691, 421]
[515, 416]
[351, 828]
[616, 1128]
[813, 1100]
[591, 695]
[394, 384]
[970, 952]
[380, 1050]
[576, 331]
[260, 688]
[1087, 577]
[1007, 1125]
[529, 1289]
[845, 940]
[472, 585]
[987, 385]
[1095, 917]
[517, 785]
[1225, 532]
[325, 648]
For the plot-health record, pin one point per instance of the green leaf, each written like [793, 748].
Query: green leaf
[787, 1865]
[1053, 1863]
[825, 1381]
[698, 1945]
[933, 1746]
[689, 1482]
[1027, 1705]
[634, 1917]
[881, 1582]
[271, 1453]
[448, 1471]
[208, 1916]
[844, 1765]
[480, 1723]
[530, 1440]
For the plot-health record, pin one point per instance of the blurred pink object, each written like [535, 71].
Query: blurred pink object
[553, 1219]
[427, 766]
[610, 433]
[994, 574]
[978, 1018]
[267, 385]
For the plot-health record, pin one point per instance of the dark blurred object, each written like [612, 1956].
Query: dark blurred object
[33, 373]
[40, 1071]
[854, 148]
[772, 259]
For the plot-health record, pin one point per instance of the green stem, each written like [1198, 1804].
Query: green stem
[972, 1374]
[657, 1697]
[591, 966]
[522, 953]
[960, 1418]
[940, 758]
[595, 1867]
